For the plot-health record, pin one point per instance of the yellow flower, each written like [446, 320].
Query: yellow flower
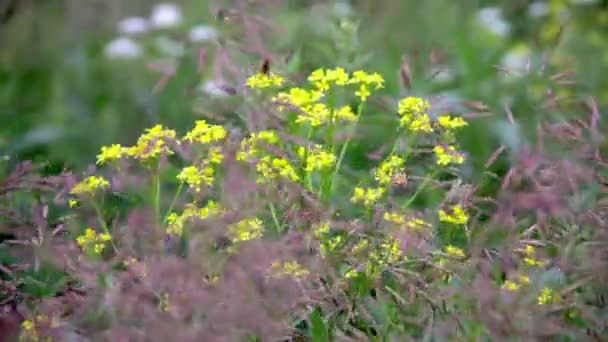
[245, 230]
[317, 160]
[315, 114]
[417, 223]
[270, 168]
[547, 296]
[152, 143]
[250, 147]
[388, 168]
[365, 80]
[457, 215]
[451, 123]
[320, 229]
[300, 97]
[448, 156]
[413, 111]
[91, 242]
[387, 253]
[72, 203]
[344, 113]
[524, 279]
[394, 217]
[265, 80]
[175, 222]
[287, 269]
[510, 285]
[111, 153]
[205, 133]
[90, 185]
[454, 251]
[367, 196]
[215, 155]
[530, 258]
[195, 177]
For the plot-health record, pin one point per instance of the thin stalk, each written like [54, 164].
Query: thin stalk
[102, 223]
[345, 146]
[422, 186]
[274, 218]
[173, 201]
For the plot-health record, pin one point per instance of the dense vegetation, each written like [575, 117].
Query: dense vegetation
[305, 170]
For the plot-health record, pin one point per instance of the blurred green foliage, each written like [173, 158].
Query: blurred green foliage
[62, 99]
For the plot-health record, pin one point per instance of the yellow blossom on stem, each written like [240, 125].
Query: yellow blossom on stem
[245, 230]
[205, 133]
[451, 123]
[270, 168]
[265, 80]
[454, 251]
[457, 215]
[152, 143]
[394, 217]
[388, 168]
[367, 196]
[414, 116]
[449, 155]
[195, 176]
[317, 159]
[111, 153]
[93, 243]
[90, 185]
[510, 285]
[547, 296]
[289, 268]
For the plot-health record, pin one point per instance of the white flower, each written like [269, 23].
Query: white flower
[166, 15]
[538, 9]
[202, 33]
[122, 48]
[133, 25]
[491, 18]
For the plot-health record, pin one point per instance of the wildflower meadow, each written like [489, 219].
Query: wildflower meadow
[282, 170]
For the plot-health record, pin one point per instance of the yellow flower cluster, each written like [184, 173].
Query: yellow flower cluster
[90, 185]
[270, 168]
[290, 269]
[367, 196]
[245, 230]
[317, 159]
[153, 143]
[387, 253]
[329, 245]
[388, 169]
[515, 285]
[414, 116]
[411, 223]
[205, 133]
[320, 230]
[457, 215]
[449, 155]
[530, 257]
[547, 296]
[251, 146]
[365, 81]
[454, 251]
[195, 176]
[111, 153]
[451, 123]
[91, 242]
[323, 79]
[265, 80]
[176, 222]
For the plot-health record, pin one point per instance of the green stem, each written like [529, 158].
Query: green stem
[173, 201]
[422, 186]
[274, 218]
[345, 146]
[102, 223]
[156, 196]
